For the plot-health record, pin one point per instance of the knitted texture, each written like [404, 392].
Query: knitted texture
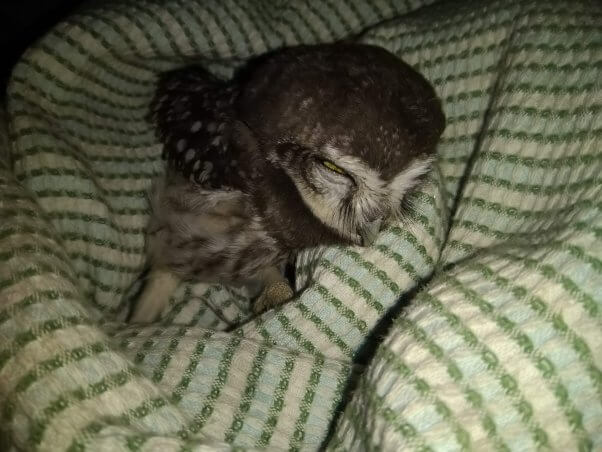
[498, 269]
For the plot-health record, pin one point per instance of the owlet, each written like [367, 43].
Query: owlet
[306, 146]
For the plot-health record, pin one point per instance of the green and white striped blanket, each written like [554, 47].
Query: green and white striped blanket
[476, 325]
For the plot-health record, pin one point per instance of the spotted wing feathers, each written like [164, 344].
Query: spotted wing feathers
[192, 112]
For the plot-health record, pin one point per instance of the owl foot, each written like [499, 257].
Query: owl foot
[272, 296]
[155, 297]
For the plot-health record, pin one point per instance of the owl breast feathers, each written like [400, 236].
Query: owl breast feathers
[306, 146]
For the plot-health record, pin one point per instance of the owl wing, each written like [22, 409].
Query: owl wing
[193, 113]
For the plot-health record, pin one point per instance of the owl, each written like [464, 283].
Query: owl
[306, 146]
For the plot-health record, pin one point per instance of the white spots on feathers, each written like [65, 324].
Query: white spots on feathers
[196, 126]
[196, 114]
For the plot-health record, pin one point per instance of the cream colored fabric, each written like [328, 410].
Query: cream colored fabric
[478, 319]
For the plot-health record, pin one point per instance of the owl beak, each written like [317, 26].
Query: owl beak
[370, 232]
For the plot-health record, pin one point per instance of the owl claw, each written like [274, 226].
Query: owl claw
[155, 297]
[273, 295]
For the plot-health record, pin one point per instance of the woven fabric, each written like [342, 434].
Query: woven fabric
[474, 324]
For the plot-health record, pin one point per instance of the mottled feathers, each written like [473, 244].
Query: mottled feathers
[306, 146]
[193, 112]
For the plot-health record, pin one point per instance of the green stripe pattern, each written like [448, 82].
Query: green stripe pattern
[498, 266]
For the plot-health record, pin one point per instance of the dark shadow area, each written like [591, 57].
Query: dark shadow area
[22, 23]
[366, 352]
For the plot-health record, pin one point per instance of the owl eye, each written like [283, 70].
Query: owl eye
[332, 167]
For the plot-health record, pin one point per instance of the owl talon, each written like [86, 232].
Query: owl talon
[155, 297]
[273, 295]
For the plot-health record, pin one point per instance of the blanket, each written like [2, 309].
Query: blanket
[474, 324]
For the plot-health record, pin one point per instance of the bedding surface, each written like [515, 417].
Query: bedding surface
[474, 324]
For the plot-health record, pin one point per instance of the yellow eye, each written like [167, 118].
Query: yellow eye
[332, 167]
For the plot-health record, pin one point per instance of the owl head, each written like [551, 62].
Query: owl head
[340, 135]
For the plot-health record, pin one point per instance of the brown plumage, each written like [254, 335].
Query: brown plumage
[306, 146]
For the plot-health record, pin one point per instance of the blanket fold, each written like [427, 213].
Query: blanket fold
[498, 344]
